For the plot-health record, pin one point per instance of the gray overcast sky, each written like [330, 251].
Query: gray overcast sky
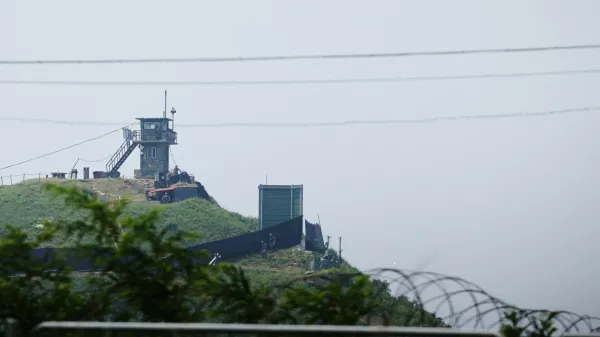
[511, 205]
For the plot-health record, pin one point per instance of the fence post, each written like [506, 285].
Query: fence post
[2, 181]
[23, 177]
[10, 180]
[39, 177]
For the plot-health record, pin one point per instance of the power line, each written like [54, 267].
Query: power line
[340, 123]
[335, 123]
[396, 121]
[304, 57]
[308, 81]
[54, 121]
[64, 148]
[95, 161]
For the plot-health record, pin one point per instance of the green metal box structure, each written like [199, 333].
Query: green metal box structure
[278, 203]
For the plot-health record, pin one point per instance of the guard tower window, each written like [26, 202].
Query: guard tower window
[151, 152]
[150, 126]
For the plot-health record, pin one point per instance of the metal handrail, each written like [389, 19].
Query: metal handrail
[169, 136]
[131, 139]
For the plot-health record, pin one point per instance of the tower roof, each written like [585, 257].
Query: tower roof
[157, 119]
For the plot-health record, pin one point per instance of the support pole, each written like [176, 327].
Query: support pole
[71, 173]
[340, 252]
[165, 111]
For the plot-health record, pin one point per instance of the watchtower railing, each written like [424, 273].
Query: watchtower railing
[168, 136]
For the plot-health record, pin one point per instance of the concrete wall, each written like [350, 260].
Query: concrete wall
[148, 165]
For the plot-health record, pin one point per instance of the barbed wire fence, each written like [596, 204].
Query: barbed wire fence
[458, 303]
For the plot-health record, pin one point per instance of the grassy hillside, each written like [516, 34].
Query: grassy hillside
[25, 205]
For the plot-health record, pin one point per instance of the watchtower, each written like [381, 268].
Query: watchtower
[155, 138]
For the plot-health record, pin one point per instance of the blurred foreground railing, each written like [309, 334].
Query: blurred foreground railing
[203, 329]
[211, 329]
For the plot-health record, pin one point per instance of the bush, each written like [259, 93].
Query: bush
[146, 274]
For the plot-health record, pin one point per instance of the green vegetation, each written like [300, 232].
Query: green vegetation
[139, 281]
[26, 207]
[146, 286]
[522, 324]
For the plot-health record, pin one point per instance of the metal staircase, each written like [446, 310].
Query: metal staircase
[117, 160]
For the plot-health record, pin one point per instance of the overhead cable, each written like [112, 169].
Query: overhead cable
[55, 121]
[340, 123]
[65, 148]
[307, 81]
[304, 57]
[333, 123]
[394, 121]
[96, 160]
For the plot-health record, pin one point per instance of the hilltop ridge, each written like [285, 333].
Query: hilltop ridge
[27, 206]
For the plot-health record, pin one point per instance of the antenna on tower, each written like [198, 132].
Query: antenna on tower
[173, 111]
[340, 252]
[165, 110]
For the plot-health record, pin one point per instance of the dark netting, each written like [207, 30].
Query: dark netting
[231, 248]
[284, 235]
[80, 260]
[314, 237]
[319, 238]
[309, 236]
